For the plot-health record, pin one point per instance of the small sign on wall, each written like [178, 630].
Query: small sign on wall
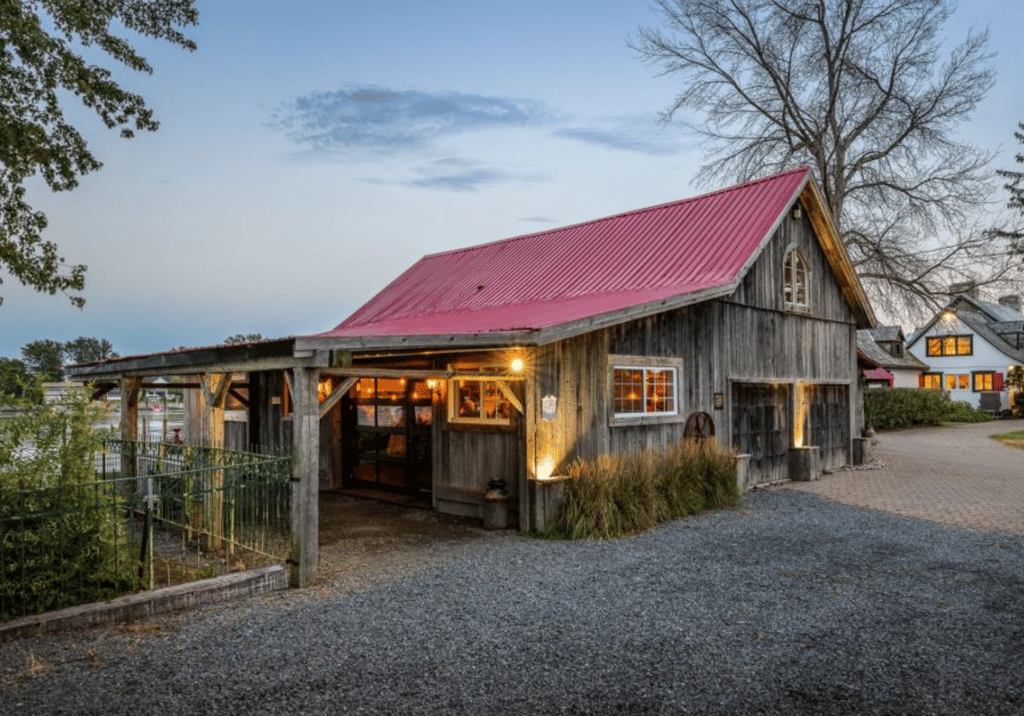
[548, 406]
[719, 401]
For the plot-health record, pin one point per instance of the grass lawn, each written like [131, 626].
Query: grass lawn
[1013, 439]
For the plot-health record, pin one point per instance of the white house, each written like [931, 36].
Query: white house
[884, 347]
[970, 346]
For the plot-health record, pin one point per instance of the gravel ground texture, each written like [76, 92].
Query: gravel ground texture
[789, 604]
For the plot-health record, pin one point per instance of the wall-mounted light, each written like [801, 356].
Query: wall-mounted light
[798, 212]
[324, 388]
[545, 467]
[517, 364]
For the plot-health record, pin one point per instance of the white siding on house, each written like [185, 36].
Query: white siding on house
[904, 378]
[985, 358]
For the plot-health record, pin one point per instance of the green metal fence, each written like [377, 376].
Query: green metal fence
[157, 514]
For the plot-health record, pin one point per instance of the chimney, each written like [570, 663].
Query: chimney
[967, 287]
[1013, 301]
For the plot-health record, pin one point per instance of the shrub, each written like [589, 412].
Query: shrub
[904, 407]
[62, 538]
[617, 495]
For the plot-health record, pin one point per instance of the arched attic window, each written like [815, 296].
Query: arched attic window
[796, 277]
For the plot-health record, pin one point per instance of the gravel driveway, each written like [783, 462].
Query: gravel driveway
[790, 604]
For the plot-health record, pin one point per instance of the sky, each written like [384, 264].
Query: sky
[311, 151]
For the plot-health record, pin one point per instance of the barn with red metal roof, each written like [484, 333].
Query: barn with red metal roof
[733, 314]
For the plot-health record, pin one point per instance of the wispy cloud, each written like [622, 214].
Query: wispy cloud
[640, 134]
[410, 126]
[382, 119]
[457, 174]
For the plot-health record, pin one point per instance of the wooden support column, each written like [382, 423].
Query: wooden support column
[130, 389]
[528, 443]
[214, 390]
[305, 476]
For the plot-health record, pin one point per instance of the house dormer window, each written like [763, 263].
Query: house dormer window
[795, 280]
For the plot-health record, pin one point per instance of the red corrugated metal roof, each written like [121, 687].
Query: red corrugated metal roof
[564, 275]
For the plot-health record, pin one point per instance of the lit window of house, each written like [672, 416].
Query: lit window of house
[950, 345]
[932, 381]
[984, 381]
[958, 382]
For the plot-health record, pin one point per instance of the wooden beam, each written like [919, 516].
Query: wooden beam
[238, 396]
[220, 397]
[337, 394]
[362, 372]
[271, 355]
[356, 344]
[101, 390]
[509, 395]
[289, 391]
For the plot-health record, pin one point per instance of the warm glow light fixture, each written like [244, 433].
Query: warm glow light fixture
[545, 467]
[517, 364]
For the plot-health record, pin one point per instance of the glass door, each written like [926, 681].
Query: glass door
[390, 437]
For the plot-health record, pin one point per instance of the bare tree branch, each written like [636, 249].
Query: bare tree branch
[856, 89]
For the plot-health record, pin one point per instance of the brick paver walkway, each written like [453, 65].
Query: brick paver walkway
[955, 475]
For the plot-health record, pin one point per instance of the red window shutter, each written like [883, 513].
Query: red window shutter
[920, 380]
[997, 382]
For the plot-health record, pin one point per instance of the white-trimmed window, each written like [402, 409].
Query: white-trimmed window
[644, 391]
[796, 277]
[478, 401]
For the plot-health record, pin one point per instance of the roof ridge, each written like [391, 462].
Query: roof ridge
[641, 210]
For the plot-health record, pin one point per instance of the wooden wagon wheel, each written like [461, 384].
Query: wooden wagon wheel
[699, 426]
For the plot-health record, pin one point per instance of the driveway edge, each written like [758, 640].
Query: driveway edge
[228, 587]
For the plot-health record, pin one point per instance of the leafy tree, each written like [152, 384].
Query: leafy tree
[16, 382]
[1014, 185]
[40, 63]
[856, 89]
[44, 358]
[85, 349]
[243, 338]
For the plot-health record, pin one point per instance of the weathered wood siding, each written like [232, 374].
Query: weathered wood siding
[746, 338]
[828, 423]
[267, 428]
[466, 458]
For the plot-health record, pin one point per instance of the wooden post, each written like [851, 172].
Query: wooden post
[528, 442]
[130, 389]
[305, 476]
[214, 389]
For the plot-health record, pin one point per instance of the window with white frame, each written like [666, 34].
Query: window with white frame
[644, 390]
[478, 401]
[795, 280]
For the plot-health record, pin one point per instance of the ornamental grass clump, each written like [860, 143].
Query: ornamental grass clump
[623, 494]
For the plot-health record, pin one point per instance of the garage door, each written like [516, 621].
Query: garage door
[829, 423]
[760, 421]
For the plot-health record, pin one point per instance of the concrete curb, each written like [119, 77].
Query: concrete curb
[228, 587]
